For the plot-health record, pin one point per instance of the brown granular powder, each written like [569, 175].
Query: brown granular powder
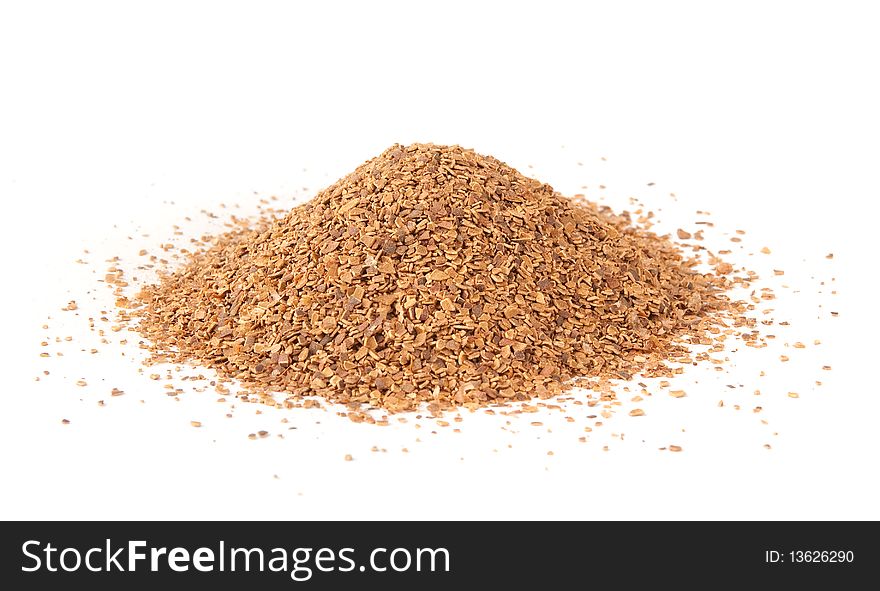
[432, 274]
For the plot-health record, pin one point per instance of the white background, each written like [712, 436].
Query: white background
[764, 113]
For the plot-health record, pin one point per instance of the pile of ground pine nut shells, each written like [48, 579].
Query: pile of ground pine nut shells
[433, 276]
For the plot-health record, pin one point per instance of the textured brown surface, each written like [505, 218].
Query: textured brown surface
[432, 274]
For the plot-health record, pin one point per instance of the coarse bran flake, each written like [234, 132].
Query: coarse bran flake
[432, 275]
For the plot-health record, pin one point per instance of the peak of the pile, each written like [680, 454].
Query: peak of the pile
[424, 175]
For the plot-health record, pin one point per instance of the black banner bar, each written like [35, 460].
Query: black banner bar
[434, 555]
